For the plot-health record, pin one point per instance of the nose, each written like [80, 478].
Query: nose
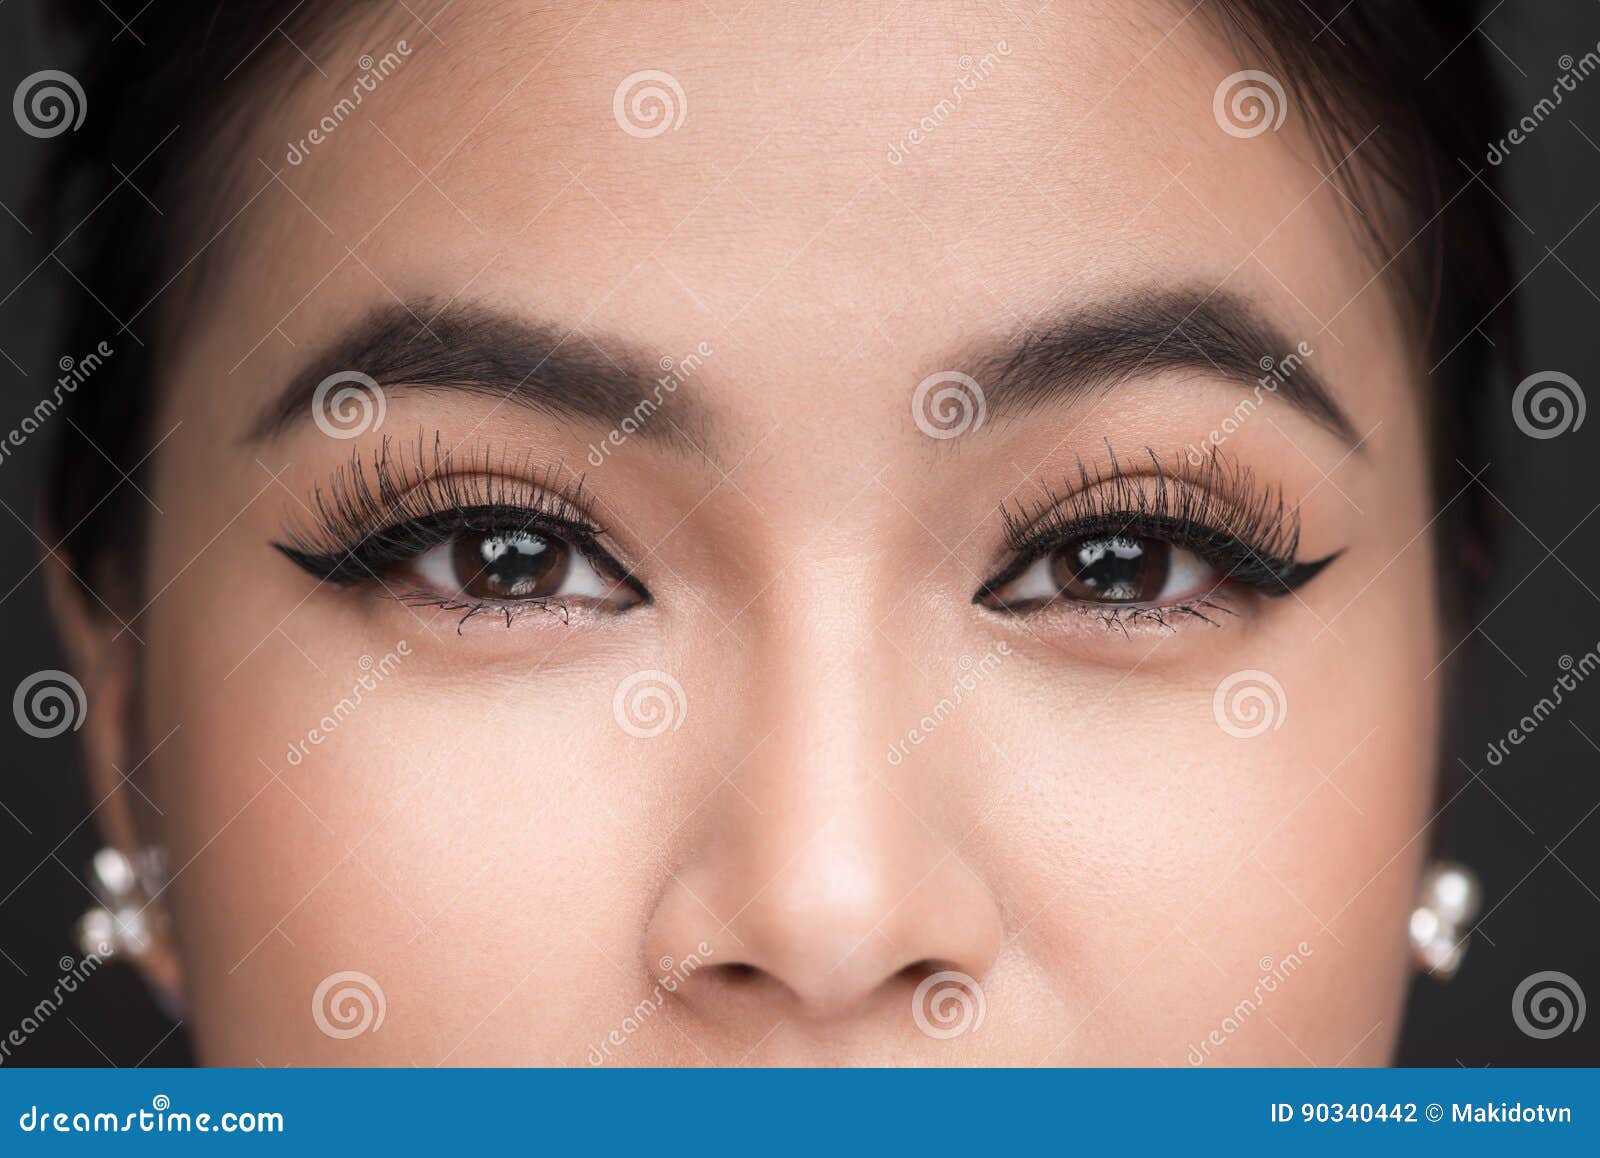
[826, 916]
[825, 880]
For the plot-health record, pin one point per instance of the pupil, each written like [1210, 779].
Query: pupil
[515, 566]
[1113, 569]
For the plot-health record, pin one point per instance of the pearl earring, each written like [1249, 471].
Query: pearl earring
[122, 922]
[1447, 901]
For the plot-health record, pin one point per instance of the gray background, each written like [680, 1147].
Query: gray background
[1525, 825]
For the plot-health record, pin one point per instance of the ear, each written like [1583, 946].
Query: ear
[103, 656]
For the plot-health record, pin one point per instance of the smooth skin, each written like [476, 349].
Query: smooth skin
[1113, 869]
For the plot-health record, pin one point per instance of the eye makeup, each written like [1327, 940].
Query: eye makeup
[1116, 541]
[474, 532]
[479, 533]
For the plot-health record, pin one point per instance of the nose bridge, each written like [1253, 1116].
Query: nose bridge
[824, 870]
[819, 675]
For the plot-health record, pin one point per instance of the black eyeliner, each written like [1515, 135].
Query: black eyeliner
[372, 516]
[1244, 531]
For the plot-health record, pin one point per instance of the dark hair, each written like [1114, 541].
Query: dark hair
[163, 113]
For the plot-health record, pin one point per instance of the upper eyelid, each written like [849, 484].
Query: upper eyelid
[1113, 523]
[328, 540]
[404, 482]
[348, 565]
[1224, 499]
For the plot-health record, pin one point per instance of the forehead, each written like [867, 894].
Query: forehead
[843, 183]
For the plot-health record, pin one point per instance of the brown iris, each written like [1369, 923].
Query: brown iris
[520, 565]
[1112, 569]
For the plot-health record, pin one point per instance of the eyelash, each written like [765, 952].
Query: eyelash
[367, 522]
[1242, 530]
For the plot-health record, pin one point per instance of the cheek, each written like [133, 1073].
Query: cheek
[1175, 875]
[1171, 880]
[339, 805]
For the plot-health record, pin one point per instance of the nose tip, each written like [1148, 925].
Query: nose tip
[832, 933]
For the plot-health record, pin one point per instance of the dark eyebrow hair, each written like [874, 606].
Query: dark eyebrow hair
[419, 346]
[1144, 334]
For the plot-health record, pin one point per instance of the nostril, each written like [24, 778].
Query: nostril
[919, 971]
[739, 982]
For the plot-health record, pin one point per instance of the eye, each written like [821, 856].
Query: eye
[1108, 569]
[518, 566]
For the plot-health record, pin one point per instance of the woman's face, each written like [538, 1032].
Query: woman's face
[962, 412]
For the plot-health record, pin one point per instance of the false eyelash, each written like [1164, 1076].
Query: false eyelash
[1243, 530]
[366, 520]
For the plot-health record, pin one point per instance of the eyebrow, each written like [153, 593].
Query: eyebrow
[1214, 334]
[475, 350]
